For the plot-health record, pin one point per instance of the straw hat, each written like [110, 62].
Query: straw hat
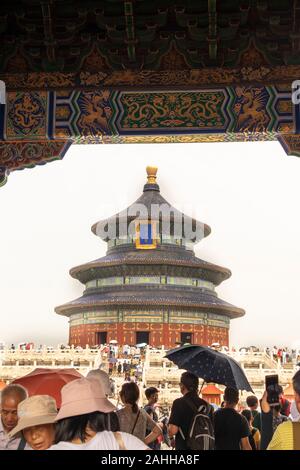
[83, 396]
[35, 410]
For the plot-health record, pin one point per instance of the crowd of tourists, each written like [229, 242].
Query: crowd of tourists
[88, 420]
[284, 355]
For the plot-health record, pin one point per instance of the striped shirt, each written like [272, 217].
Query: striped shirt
[7, 443]
[283, 438]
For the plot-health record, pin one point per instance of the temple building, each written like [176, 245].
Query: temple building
[150, 287]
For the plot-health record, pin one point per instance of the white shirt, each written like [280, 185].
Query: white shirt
[8, 443]
[294, 415]
[104, 440]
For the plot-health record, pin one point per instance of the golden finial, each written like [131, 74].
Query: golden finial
[151, 172]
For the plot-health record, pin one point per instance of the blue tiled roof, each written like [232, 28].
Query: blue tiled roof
[133, 296]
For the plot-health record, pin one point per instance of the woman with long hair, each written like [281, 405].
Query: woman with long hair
[135, 420]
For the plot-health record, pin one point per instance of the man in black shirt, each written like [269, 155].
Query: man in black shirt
[231, 428]
[182, 412]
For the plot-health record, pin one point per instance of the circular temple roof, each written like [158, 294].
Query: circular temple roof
[152, 297]
[120, 259]
[153, 207]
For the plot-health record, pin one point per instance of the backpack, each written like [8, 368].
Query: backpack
[201, 432]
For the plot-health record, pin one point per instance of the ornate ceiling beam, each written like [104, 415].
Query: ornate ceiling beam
[212, 29]
[130, 31]
[49, 39]
[17, 155]
[138, 33]
[132, 71]
[295, 34]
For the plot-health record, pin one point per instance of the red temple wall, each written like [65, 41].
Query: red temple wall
[167, 334]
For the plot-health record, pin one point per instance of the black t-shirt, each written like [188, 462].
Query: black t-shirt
[230, 428]
[182, 415]
[151, 411]
[256, 419]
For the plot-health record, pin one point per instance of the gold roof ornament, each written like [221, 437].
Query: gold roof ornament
[151, 174]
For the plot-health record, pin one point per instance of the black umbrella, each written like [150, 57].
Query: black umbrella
[210, 365]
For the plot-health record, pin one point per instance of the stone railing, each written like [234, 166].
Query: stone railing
[258, 375]
[16, 363]
[47, 354]
[255, 358]
[9, 373]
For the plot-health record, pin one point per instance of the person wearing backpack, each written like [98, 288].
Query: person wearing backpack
[231, 429]
[191, 418]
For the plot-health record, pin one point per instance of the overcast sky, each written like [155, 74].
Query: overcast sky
[249, 193]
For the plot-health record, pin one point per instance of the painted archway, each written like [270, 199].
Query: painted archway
[124, 72]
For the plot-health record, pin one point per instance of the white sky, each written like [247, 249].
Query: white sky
[249, 193]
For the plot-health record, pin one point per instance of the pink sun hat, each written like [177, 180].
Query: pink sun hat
[81, 397]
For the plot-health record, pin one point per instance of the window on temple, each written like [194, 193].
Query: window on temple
[142, 337]
[172, 280]
[110, 281]
[145, 235]
[186, 337]
[92, 283]
[101, 337]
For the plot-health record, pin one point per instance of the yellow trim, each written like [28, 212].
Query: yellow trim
[140, 246]
[151, 174]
